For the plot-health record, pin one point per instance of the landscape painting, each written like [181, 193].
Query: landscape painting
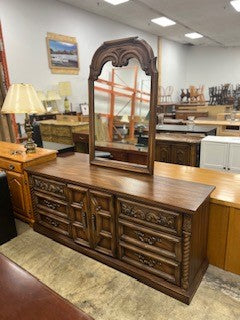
[62, 53]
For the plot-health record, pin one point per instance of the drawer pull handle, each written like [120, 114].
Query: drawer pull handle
[94, 222]
[84, 220]
[147, 261]
[52, 222]
[146, 238]
[11, 167]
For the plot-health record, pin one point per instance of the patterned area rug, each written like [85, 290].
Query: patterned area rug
[107, 294]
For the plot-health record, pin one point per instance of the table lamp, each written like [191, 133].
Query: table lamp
[43, 98]
[22, 98]
[65, 90]
[52, 97]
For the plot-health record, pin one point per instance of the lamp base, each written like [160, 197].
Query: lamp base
[30, 146]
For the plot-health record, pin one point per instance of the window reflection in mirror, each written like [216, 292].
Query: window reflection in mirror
[122, 106]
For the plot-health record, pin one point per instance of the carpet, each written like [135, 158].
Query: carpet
[107, 294]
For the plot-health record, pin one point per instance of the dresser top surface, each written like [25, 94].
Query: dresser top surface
[17, 152]
[63, 123]
[176, 194]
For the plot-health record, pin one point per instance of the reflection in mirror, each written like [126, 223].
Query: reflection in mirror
[122, 107]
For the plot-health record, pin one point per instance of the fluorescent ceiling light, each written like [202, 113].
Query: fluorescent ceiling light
[236, 5]
[163, 21]
[116, 2]
[193, 35]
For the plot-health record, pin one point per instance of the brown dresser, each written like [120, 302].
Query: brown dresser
[150, 227]
[14, 160]
[60, 131]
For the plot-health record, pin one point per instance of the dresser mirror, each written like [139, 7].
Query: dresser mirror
[122, 99]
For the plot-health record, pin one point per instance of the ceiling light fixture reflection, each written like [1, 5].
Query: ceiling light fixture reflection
[194, 35]
[116, 2]
[163, 21]
[236, 5]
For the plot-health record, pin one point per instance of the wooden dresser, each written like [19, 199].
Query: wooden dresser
[60, 131]
[14, 160]
[150, 227]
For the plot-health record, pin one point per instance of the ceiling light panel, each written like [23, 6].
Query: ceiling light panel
[163, 22]
[116, 2]
[236, 5]
[194, 35]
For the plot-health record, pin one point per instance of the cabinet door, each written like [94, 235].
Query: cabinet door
[180, 154]
[79, 215]
[163, 152]
[102, 222]
[234, 158]
[16, 186]
[214, 155]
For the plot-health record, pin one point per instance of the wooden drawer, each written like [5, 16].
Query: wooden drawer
[51, 187]
[153, 217]
[46, 129]
[156, 241]
[80, 137]
[62, 131]
[54, 222]
[11, 165]
[51, 204]
[150, 262]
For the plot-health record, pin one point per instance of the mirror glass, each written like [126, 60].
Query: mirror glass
[121, 113]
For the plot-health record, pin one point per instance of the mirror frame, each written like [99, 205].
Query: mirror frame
[119, 52]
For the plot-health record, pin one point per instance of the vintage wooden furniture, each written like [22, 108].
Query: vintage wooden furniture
[153, 228]
[14, 160]
[119, 53]
[7, 225]
[178, 148]
[24, 297]
[224, 127]
[184, 114]
[196, 129]
[60, 131]
[224, 218]
[221, 153]
[169, 147]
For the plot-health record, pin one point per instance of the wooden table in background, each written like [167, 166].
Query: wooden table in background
[224, 127]
[14, 160]
[224, 223]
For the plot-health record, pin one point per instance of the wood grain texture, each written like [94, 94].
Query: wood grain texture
[186, 196]
[232, 262]
[14, 165]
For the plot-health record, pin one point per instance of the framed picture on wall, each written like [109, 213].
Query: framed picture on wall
[63, 57]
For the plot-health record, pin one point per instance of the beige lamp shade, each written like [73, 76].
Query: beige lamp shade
[53, 96]
[65, 89]
[41, 96]
[22, 98]
[125, 118]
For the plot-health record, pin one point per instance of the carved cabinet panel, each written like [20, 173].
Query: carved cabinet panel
[181, 155]
[16, 186]
[163, 152]
[102, 219]
[79, 214]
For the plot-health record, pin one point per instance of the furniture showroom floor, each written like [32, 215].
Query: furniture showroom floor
[105, 293]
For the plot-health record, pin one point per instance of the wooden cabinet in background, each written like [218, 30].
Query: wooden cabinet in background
[152, 228]
[14, 160]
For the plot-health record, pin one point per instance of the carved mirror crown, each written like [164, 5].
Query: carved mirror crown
[120, 53]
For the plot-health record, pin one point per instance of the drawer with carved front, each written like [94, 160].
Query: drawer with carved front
[50, 187]
[150, 262]
[153, 217]
[51, 204]
[158, 242]
[53, 222]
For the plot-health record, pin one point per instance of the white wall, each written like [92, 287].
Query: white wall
[174, 66]
[212, 66]
[25, 25]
